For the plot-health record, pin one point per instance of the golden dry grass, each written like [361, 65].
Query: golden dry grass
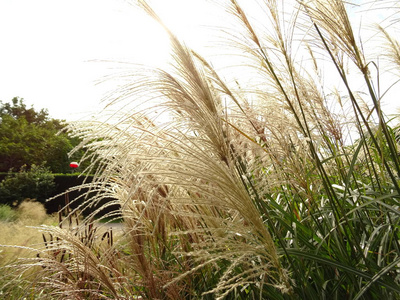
[20, 232]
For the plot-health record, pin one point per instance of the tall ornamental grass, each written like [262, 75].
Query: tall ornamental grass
[266, 171]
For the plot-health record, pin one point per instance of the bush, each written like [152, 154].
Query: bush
[35, 183]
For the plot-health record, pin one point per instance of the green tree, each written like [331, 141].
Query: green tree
[29, 137]
[17, 109]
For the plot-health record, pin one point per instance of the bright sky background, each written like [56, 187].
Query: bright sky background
[50, 50]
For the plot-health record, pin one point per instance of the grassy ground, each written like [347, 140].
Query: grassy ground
[17, 238]
[15, 229]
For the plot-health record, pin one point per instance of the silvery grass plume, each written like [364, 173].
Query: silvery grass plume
[256, 181]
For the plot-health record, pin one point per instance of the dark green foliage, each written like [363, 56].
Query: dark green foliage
[18, 110]
[29, 137]
[66, 187]
[35, 183]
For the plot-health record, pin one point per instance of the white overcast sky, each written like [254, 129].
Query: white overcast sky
[50, 49]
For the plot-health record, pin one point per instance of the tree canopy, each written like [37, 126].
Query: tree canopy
[17, 109]
[30, 137]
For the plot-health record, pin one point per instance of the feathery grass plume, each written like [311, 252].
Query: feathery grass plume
[392, 46]
[333, 19]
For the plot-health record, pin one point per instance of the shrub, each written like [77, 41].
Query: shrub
[35, 183]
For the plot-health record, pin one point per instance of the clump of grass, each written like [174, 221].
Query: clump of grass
[18, 238]
[18, 230]
[247, 189]
[32, 212]
[7, 214]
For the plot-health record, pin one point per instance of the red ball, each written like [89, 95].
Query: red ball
[74, 164]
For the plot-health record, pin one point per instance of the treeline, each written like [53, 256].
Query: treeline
[39, 184]
[29, 137]
[34, 161]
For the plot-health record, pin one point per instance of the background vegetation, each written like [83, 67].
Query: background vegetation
[34, 153]
[29, 137]
[35, 183]
[260, 182]
[17, 228]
